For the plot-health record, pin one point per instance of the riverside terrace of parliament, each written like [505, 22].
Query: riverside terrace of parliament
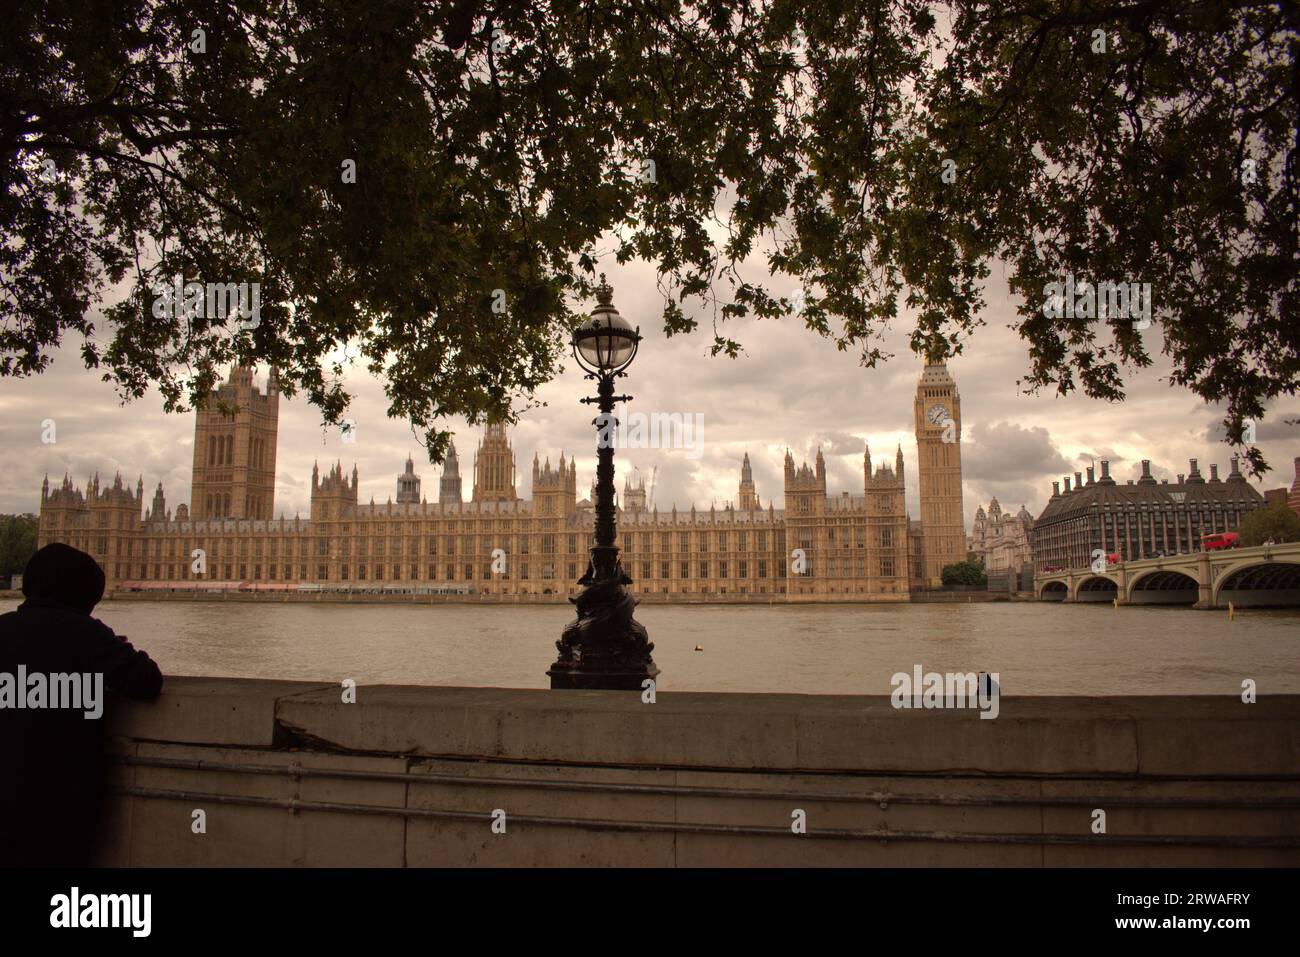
[855, 547]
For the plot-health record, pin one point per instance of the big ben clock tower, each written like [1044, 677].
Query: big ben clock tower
[938, 452]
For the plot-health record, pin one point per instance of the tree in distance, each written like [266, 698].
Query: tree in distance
[1273, 523]
[429, 189]
[17, 544]
[969, 573]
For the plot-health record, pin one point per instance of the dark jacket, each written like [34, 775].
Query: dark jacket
[52, 767]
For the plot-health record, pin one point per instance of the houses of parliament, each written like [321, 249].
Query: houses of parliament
[859, 546]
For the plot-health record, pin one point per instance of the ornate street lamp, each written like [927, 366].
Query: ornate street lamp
[605, 647]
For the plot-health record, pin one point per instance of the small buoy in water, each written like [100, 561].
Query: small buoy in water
[699, 647]
[1232, 612]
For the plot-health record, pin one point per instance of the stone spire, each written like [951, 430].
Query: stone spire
[449, 487]
[748, 497]
[158, 511]
[408, 485]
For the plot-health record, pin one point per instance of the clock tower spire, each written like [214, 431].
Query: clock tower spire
[938, 453]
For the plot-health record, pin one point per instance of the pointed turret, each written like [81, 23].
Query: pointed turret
[748, 496]
[449, 488]
[158, 510]
[408, 484]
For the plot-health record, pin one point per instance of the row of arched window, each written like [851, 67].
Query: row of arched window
[221, 451]
[218, 506]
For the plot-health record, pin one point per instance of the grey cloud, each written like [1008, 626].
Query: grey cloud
[1274, 427]
[838, 443]
[1010, 495]
[1104, 453]
[1002, 451]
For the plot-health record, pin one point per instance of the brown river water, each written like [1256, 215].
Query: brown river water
[1037, 649]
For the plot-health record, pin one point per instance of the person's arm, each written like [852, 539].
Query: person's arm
[127, 670]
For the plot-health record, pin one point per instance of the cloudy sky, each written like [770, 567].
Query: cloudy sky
[791, 389]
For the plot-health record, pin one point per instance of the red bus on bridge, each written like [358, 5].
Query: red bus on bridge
[1218, 540]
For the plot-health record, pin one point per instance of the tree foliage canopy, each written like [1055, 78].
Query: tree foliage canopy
[969, 573]
[1276, 523]
[17, 543]
[880, 155]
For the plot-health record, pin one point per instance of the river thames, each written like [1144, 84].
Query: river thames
[1037, 649]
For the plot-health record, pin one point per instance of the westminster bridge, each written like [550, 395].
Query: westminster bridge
[1262, 575]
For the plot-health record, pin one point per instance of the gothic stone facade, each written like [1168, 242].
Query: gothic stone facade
[234, 456]
[1002, 540]
[847, 547]
[937, 411]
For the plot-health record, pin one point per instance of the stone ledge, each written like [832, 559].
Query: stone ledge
[1162, 736]
[221, 711]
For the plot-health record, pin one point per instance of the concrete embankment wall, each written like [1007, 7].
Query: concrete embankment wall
[287, 774]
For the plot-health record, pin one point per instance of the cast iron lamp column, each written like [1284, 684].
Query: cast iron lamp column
[605, 647]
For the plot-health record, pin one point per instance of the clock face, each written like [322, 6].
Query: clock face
[937, 414]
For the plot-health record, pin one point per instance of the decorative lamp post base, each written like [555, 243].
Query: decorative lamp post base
[605, 648]
[579, 680]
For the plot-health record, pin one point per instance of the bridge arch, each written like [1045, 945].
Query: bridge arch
[1056, 590]
[1255, 582]
[1163, 586]
[1097, 588]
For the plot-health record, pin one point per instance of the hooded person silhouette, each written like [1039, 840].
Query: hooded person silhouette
[52, 762]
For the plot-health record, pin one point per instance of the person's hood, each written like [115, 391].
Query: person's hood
[64, 575]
